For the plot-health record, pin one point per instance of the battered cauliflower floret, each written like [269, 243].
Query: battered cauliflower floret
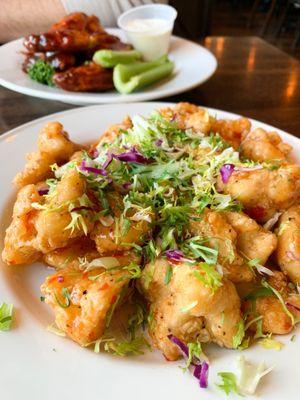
[20, 238]
[232, 130]
[81, 304]
[54, 146]
[113, 131]
[188, 309]
[288, 250]
[111, 237]
[54, 224]
[70, 256]
[253, 241]
[221, 235]
[81, 253]
[264, 192]
[274, 317]
[260, 145]
[189, 116]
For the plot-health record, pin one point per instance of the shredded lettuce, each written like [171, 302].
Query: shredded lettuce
[208, 275]
[54, 329]
[229, 382]
[278, 295]
[6, 314]
[239, 336]
[250, 375]
[271, 344]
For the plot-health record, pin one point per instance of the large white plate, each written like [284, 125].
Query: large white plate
[193, 65]
[36, 364]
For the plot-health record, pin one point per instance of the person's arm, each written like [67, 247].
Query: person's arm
[19, 18]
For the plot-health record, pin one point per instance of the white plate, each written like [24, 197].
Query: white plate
[30, 368]
[193, 65]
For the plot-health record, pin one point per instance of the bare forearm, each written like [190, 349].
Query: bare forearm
[19, 17]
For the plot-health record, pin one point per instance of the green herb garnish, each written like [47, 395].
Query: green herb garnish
[41, 72]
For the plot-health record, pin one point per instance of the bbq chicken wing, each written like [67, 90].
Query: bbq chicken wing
[188, 309]
[264, 192]
[81, 304]
[85, 78]
[288, 250]
[54, 146]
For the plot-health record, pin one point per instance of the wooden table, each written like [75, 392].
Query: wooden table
[253, 78]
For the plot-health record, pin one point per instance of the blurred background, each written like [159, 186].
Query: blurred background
[276, 21]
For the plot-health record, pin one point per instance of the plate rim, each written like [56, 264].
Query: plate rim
[231, 114]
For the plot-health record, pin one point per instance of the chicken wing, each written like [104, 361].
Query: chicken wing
[85, 78]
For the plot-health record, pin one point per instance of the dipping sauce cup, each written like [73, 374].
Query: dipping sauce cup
[148, 28]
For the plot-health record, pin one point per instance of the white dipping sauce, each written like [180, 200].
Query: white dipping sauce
[150, 36]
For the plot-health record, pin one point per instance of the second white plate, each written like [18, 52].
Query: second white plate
[193, 65]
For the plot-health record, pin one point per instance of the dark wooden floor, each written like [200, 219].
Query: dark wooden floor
[229, 18]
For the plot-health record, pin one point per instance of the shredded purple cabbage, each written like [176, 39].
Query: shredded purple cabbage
[200, 369]
[203, 378]
[226, 171]
[158, 142]
[60, 279]
[108, 160]
[126, 185]
[98, 171]
[174, 255]
[183, 347]
[79, 208]
[94, 153]
[43, 192]
[292, 306]
[132, 156]
[292, 256]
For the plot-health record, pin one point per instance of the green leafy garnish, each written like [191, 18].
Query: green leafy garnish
[195, 350]
[6, 313]
[278, 295]
[168, 275]
[229, 382]
[66, 295]
[239, 336]
[41, 72]
[209, 276]
[259, 292]
[270, 343]
[127, 347]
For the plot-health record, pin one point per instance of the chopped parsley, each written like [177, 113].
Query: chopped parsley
[41, 72]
